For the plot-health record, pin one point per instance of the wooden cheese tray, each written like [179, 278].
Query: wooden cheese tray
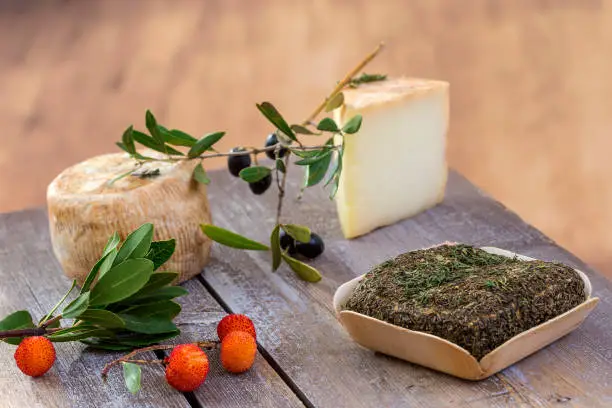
[441, 355]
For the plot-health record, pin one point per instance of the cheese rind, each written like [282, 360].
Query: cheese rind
[85, 210]
[395, 166]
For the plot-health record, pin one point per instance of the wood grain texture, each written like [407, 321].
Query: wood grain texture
[530, 89]
[33, 281]
[299, 330]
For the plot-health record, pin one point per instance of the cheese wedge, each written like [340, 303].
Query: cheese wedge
[85, 210]
[395, 166]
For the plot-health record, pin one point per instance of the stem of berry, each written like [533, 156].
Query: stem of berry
[128, 358]
[36, 331]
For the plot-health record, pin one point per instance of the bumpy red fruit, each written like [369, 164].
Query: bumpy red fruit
[235, 322]
[187, 367]
[35, 356]
[238, 351]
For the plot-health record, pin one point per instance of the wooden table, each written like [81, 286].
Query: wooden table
[305, 356]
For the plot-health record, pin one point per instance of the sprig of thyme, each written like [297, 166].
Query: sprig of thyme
[322, 163]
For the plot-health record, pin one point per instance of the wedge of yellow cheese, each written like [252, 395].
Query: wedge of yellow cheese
[395, 166]
[85, 210]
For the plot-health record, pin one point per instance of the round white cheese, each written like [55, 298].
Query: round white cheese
[85, 209]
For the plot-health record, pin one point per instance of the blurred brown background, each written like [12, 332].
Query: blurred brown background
[531, 86]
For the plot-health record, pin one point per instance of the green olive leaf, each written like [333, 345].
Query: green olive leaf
[151, 124]
[231, 239]
[132, 377]
[254, 173]
[176, 137]
[303, 130]
[323, 153]
[276, 248]
[199, 174]
[20, 319]
[121, 281]
[204, 144]
[137, 243]
[128, 140]
[316, 171]
[280, 165]
[335, 102]
[153, 144]
[272, 114]
[304, 271]
[298, 232]
[353, 125]
[328, 125]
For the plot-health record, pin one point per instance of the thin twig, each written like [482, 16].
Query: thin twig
[49, 322]
[128, 357]
[281, 190]
[344, 82]
[36, 331]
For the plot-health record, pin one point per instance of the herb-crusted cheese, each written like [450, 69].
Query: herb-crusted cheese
[395, 166]
[85, 209]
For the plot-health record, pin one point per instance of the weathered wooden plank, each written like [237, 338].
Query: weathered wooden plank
[259, 387]
[32, 279]
[299, 330]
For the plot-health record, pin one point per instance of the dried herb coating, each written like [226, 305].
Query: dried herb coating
[467, 296]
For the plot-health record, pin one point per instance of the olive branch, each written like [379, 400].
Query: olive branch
[322, 164]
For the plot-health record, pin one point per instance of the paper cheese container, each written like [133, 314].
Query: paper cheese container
[441, 355]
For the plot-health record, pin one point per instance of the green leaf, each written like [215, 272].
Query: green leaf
[353, 125]
[327, 125]
[132, 339]
[160, 252]
[102, 318]
[199, 174]
[107, 264]
[306, 153]
[128, 140]
[313, 159]
[151, 124]
[280, 165]
[78, 333]
[335, 173]
[335, 102]
[137, 243]
[365, 78]
[153, 144]
[122, 147]
[158, 280]
[165, 293]
[178, 138]
[148, 325]
[102, 345]
[161, 309]
[276, 248]
[304, 271]
[231, 239]
[121, 281]
[316, 171]
[58, 304]
[303, 130]
[17, 320]
[93, 274]
[270, 112]
[204, 144]
[298, 232]
[77, 306]
[112, 243]
[254, 173]
[131, 376]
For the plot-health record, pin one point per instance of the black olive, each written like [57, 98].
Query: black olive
[271, 140]
[237, 163]
[311, 249]
[287, 242]
[260, 187]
